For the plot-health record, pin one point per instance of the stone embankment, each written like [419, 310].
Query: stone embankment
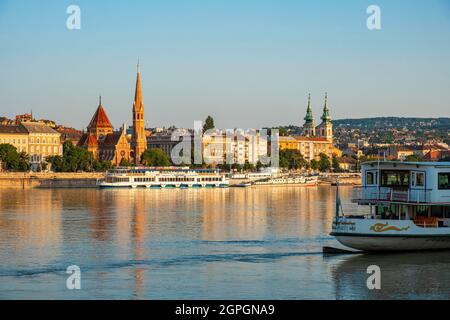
[342, 178]
[20, 180]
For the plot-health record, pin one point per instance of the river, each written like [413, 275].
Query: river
[260, 242]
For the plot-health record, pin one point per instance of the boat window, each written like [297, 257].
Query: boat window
[370, 178]
[444, 180]
[436, 211]
[420, 179]
[422, 210]
[394, 178]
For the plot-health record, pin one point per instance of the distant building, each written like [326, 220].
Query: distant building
[101, 140]
[347, 163]
[164, 142]
[69, 134]
[109, 145]
[5, 121]
[36, 139]
[236, 146]
[26, 117]
[43, 141]
[15, 135]
[309, 147]
[314, 139]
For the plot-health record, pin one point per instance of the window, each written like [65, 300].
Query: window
[369, 178]
[394, 178]
[444, 181]
[420, 179]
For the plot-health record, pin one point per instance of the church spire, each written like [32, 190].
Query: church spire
[326, 112]
[138, 139]
[309, 116]
[309, 127]
[138, 101]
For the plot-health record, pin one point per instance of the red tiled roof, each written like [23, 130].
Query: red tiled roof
[100, 119]
[91, 141]
[434, 155]
[318, 139]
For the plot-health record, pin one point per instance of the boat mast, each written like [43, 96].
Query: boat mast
[338, 200]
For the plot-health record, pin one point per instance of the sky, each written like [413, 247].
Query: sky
[247, 63]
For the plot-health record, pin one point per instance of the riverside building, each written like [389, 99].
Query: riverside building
[314, 140]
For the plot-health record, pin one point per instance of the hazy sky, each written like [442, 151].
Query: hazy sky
[248, 63]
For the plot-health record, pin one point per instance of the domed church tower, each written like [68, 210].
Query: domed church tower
[309, 127]
[325, 129]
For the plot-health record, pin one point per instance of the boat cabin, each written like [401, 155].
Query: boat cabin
[407, 190]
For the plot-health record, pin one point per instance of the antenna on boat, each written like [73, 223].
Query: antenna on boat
[338, 200]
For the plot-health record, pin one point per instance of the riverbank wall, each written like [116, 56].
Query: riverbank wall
[341, 178]
[19, 180]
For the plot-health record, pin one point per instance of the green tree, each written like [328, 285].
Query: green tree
[324, 163]
[73, 159]
[125, 163]
[292, 159]
[224, 166]
[56, 163]
[13, 160]
[100, 166]
[236, 166]
[413, 158]
[335, 164]
[314, 164]
[249, 166]
[259, 165]
[155, 158]
[209, 124]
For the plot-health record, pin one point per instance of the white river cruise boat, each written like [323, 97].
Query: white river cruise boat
[164, 177]
[408, 208]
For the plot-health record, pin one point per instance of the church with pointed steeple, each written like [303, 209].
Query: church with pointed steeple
[106, 144]
[102, 141]
[313, 140]
[138, 139]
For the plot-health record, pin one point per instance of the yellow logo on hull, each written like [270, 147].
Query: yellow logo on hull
[382, 227]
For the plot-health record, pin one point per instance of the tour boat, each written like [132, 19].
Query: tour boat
[164, 177]
[408, 208]
[299, 180]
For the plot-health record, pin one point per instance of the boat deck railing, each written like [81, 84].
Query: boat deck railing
[411, 195]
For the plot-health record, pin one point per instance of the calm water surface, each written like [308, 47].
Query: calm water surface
[254, 243]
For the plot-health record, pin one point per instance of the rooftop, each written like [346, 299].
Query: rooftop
[13, 129]
[34, 127]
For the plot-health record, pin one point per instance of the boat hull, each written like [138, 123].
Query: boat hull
[389, 235]
[394, 243]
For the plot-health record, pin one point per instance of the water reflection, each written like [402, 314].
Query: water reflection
[223, 243]
[403, 276]
[30, 224]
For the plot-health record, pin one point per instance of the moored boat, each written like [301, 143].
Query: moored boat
[298, 180]
[408, 208]
[165, 177]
